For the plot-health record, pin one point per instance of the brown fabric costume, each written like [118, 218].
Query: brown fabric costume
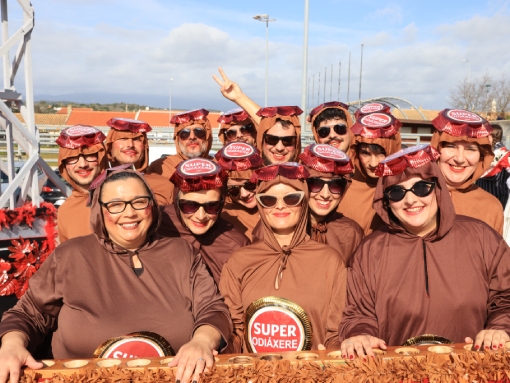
[467, 274]
[470, 199]
[267, 123]
[161, 186]
[306, 272]
[88, 292]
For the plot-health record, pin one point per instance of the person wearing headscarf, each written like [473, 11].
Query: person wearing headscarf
[81, 158]
[239, 160]
[286, 263]
[121, 279]
[196, 213]
[330, 177]
[463, 139]
[375, 136]
[236, 125]
[429, 270]
[127, 143]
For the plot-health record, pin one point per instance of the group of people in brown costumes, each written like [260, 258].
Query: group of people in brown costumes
[376, 244]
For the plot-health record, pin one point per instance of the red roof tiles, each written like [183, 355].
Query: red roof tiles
[95, 118]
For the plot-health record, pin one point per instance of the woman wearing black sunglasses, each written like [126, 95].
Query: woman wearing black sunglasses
[429, 271]
[195, 215]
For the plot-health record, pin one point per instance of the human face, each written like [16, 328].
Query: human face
[416, 214]
[341, 142]
[458, 161]
[369, 160]
[245, 198]
[248, 138]
[281, 218]
[129, 228]
[200, 222]
[279, 152]
[83, 172]
[324, 202]
[128, 150]
[193, 147]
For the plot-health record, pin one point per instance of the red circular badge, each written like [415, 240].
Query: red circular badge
[329, 152]
[80, 130]
[376, 120]
[197, 167]
[372, 108]
[134, 348]
[238, 150]
[464, 116]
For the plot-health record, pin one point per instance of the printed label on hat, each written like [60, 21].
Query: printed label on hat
[403, 152]
[275, 329]
[133, 348]
[238, 150]
[197, 166]
[376, 120]
[128, 120]
[329, 152]
[80, 130]
[464, 116]
[372, 108]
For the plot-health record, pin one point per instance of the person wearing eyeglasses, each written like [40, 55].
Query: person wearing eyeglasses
[375, 136]
[428, 270]
[81, 158]
[121, 279]
[236, 126]
[331, 124]
[195, 215]
[286, 263]
[330, 177]
[127, 143]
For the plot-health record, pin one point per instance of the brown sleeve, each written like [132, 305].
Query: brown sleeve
[161, 187]
[62, 235]
[499, 218]
[336, 307]
[208, 305]
[230, 288]
[498, 304]
[155, 167]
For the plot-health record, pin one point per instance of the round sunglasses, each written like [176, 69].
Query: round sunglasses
[335, 186]
[290, 200]
[245, 130]
[286, 140]
[190, 207]
[198, 132]
[397, 193]
[339, 129]
[235, 190]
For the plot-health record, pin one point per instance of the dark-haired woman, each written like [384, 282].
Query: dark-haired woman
[121, 279]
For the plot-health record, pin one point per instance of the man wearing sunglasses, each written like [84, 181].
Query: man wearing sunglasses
[81, 158]
[236, 126]
[331, 123]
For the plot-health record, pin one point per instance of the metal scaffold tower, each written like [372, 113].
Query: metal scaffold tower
[26, 135]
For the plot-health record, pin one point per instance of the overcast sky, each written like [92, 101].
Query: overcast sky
[127, 50]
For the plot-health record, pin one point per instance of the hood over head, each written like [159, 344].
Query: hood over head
[269, 116]
[186, 119]
[237, 116]
[328, 105]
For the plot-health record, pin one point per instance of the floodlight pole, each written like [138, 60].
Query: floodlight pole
[265, 18]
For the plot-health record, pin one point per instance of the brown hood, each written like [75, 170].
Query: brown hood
[97, 219]
[446, 210]
[486, 154]
[226, 126]
[312, 120]
[267, 123]
[64, 153]
[114, 135]
[208, 135]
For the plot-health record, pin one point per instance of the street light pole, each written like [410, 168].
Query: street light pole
[265, 18]
[305, 66]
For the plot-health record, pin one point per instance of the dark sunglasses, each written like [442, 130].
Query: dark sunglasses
[232, 133]
[336, 185]
[397, 193]
[339, 129]
[117, 207]
[286, 140]
[190, 207]
[235, 190]
[198, 132]
[87, 157]
[290, 200]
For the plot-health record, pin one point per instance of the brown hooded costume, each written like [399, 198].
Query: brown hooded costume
[376, 128]
[315, 112]
[306, 272]
[88, 292]
[452, 282]
[222, 239]
[122, 128]
[235, 117]
[469, 199]
[239, 159]
[74, 215]
[341, 233]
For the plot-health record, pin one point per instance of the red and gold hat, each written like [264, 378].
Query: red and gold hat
[273, 111]
[373, 107]
[413, 157]
[198, 174]
[376, 125]
[290, 170]
[462, 123]
[77, 136]
[191, 115]
[237, 116]
[326, 159]
[126, 124]
[239, 156]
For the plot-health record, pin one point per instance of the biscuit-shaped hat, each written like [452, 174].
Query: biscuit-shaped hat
[413, 157]
[323, 158]
[77, 136]
[198, 174]
[462, 123]
[127, 124]
[373, 107]
[376, 125]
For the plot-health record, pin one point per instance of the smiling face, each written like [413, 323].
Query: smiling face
[129, 228]
[273, 154]
[458, 161]
[245, 197]
[192, 147]
[416, 214]
[369, 158]
[200, 222]
[341, 142]
[84, 171]
[128, 150]
[323, 202]
[281, 218]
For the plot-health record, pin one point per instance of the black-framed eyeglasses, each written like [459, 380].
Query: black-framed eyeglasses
[397, 193]
[117, 207]
[335, 185]
[235, 190]
[87, 157]
[245, 130]
[199, 133]
[286, 140]
[339, 129]
[189, 207]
